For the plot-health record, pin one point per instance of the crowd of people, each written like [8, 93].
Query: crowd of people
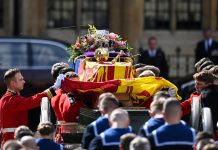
[25, 139]
[112, 130]
[165, 130]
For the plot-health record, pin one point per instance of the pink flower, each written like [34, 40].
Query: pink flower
[90, 39]
[113, 36]
[77, 45]
[119, 44]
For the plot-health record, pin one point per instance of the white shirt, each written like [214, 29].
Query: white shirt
[207, 43]
[152, 53]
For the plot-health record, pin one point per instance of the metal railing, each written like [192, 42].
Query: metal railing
[180, 65]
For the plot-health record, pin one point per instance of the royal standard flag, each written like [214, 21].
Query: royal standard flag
[138, 88]
[100, 72]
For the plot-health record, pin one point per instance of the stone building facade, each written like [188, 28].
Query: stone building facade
[176, 23]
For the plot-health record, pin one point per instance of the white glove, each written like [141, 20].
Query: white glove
[58, 81]
[172, 92]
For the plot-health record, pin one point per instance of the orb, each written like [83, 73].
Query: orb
[101, 54]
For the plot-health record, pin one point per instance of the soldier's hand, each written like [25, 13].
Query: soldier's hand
[58, 81]
[172, 92]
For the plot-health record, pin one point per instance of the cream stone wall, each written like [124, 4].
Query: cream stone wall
[186, 40]
[126, 19]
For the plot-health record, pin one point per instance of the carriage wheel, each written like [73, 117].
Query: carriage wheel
[45, 110]
[207, 121]
[195, 112]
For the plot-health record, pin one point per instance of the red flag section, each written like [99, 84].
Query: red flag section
[107, 86]
[138, 88]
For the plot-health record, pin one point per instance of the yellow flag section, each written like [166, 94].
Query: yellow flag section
[101, 72]
[144, 88]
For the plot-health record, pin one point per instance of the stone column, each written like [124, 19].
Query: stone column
[127, 19]
[8, 17]
[209, 14]
[116, 19]
[173, 15]
[213, 10]
[34, 17]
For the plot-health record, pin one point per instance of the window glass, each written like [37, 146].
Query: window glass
[189, 14]
[47, 55]
[13, 54]
[1, 13]
[156, 14]
[61, 13]
[95, 12]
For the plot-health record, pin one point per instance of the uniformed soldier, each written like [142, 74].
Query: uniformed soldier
[156, 114]
[110, 138]
[174, 134]
[55, 70]
[14, 108]
[70, 103]
[107, 103]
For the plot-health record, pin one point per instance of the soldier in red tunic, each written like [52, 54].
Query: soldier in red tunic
[202, 79]
[56, 69]
[14, 108]
[70, 103]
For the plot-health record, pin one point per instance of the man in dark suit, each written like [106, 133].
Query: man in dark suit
[154, 56]
[207, 47]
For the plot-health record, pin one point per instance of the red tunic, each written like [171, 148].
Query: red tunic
[55, 104]
[14, 111]
[70, 112]
[186, 105]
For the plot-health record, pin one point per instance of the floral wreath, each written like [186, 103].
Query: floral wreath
[95, 39]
